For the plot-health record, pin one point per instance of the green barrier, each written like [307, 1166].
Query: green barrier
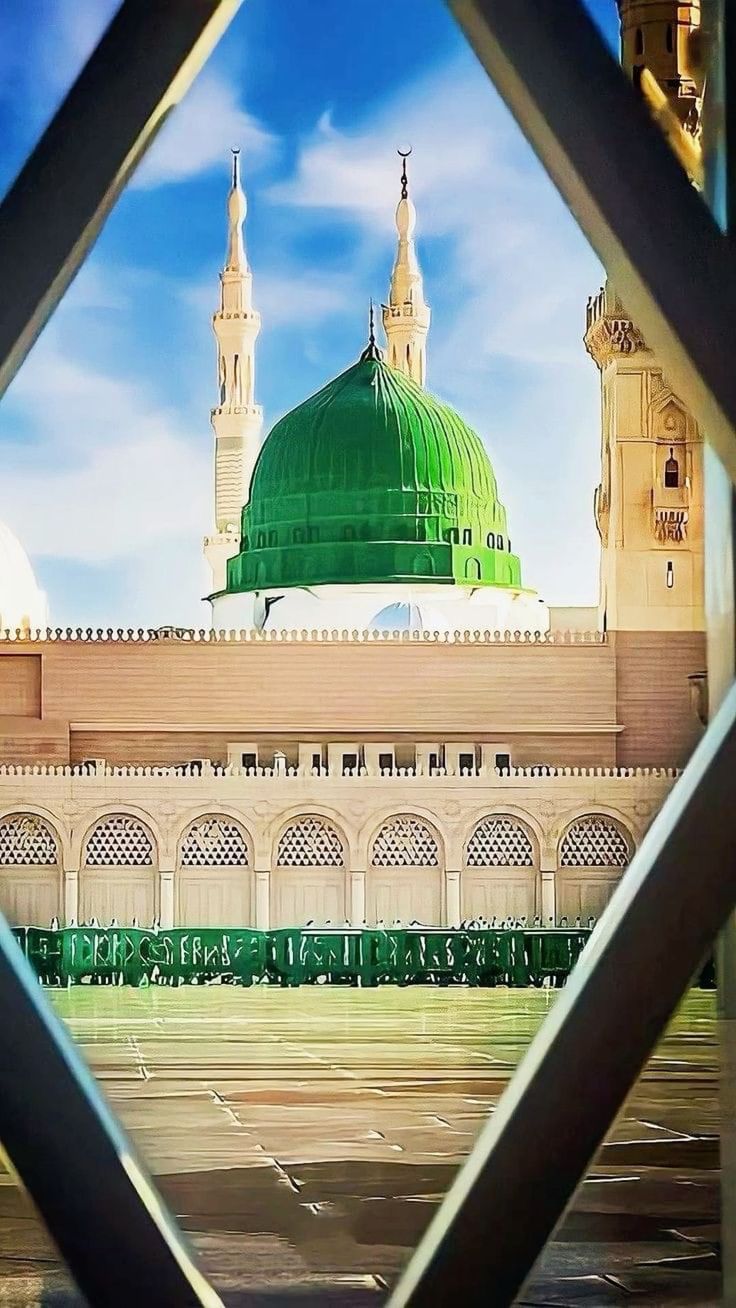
[551, 954]
[292, 957]
[513, 956]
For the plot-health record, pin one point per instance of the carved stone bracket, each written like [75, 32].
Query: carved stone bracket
[608, 336]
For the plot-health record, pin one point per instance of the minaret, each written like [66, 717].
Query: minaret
[649, 504]
[658, 35]
[237, 420]
[406, 316]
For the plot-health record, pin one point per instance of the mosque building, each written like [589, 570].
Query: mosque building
[370, 505]
[385, 722]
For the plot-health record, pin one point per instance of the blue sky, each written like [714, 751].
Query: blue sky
[105, 443]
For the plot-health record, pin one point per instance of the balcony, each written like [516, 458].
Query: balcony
[670, 510]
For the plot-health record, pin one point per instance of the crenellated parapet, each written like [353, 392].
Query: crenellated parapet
[253, 635]
[92, 772]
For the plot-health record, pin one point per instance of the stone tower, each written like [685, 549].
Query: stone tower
[649, 504]
[237, 420]
[406, 316]
[656, 34]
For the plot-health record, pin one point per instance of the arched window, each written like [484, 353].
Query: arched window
[312, 534]
[472, 570]
[672, 472]
[261, 540]
[214, 842]
[119, 840]
[348, 531]
[467, 536]
[594, 841]
[310, 842]
[27, 841]
[405, 841]
[500, 842]
[452, 535]
[297, 535]
[491, 540]
[639, 42]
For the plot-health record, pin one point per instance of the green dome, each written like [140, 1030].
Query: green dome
[372, 480]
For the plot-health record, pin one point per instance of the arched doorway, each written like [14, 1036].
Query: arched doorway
[594, 851]
[500, 874]
[214, 877]
[404, 881]
[30, 870]
[118, 877]
[308, 881]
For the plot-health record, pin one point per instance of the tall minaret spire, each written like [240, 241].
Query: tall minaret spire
[237, 419]
[406, 316]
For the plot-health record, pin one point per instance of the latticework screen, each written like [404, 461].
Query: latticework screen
[119, 840]
[500, 842]
[310, 842]
[214, 842]
[27, 841]
[594, 841]
[405, 842]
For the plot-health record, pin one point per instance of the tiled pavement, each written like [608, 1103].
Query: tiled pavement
[304, 1138]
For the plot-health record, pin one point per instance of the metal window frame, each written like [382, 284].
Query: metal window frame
[548, 61]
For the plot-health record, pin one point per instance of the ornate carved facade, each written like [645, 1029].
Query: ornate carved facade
[276, 849]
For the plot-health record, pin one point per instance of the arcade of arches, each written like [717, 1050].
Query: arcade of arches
[313, 874]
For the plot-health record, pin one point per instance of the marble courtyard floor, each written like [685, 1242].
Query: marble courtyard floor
[304, 1138]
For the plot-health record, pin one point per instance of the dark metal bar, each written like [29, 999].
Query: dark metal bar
[537, 1146]
[658, 242]
[719, 122]
[98, 1204]
[96, 1200]
[54, 211]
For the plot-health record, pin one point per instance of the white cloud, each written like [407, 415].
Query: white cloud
[207, 123]
[67, 38]
[289, 297]
[130, 490]
[199, 132]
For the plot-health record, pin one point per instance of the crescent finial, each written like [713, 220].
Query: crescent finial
[404, 155]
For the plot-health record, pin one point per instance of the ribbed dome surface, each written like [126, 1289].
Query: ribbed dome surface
[372, 479]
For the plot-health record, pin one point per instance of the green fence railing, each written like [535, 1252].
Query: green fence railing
[188, 955]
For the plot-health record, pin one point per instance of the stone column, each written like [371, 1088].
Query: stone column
[263, 899]
[452, 899]
[548, 904]
[357, 897]
[166, 897]
[71, 896]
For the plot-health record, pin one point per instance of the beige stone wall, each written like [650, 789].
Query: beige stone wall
[653, 696]
[575, 701]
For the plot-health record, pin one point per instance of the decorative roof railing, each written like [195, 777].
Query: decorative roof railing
[204, 770]
[101, 635]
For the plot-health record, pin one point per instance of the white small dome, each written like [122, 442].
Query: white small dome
[22, 604]
[404, 615]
